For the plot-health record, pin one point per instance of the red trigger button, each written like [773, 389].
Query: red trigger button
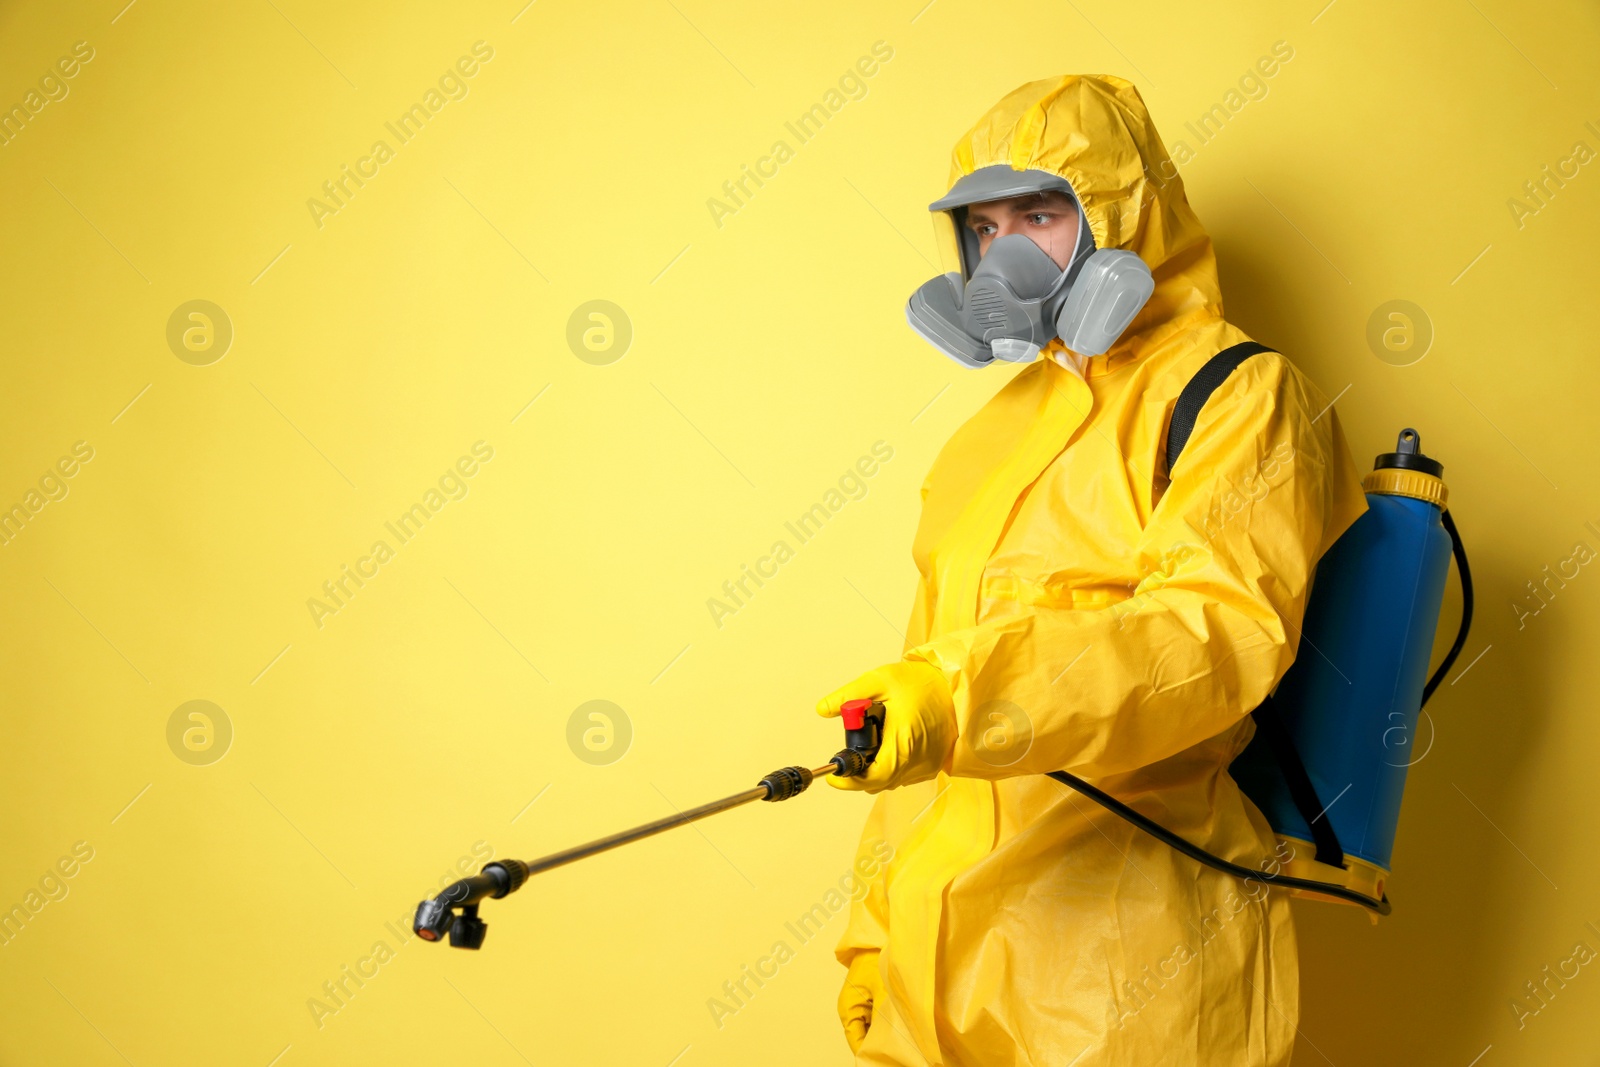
[854, 713]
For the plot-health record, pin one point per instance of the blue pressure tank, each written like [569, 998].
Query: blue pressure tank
[1351, 699]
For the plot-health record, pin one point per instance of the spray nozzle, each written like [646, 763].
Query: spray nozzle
[438, 917]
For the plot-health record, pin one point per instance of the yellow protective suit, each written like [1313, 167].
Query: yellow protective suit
[1092, 617]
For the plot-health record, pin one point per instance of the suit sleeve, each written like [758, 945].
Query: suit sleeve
[1264, 487]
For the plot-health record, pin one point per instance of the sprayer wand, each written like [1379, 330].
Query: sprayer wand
[863, 733]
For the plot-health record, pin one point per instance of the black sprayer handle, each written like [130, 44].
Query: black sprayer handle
[863, 735]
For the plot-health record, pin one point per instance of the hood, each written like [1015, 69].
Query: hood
[1093, 131]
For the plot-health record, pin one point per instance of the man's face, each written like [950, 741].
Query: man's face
[1049, 219]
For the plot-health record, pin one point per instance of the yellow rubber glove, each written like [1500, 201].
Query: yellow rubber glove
[919, 728]
[863, 987]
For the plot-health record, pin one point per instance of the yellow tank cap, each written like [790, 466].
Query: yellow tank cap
[1396, 481]
[1407, 472]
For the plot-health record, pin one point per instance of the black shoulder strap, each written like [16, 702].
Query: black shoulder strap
[1199, 390]
[1301, 790]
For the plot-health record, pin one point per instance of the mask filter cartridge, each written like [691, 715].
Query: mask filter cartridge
[1018, 299]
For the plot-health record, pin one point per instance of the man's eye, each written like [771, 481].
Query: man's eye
[984, 229]
[1039, 218]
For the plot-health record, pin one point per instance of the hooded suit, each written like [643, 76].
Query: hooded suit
[1091, 614]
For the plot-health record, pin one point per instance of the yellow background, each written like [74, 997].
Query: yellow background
[768, 354]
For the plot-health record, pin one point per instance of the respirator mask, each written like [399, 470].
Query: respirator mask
[1015, 299]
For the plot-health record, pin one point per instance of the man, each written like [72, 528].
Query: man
[1080, 610]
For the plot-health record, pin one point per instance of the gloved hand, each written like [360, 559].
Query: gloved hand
[863, 987]
[919, 727]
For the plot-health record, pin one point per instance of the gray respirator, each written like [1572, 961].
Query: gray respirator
[1015, 300]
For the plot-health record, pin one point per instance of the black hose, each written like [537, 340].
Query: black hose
[1460, 552]
[1195, 852]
